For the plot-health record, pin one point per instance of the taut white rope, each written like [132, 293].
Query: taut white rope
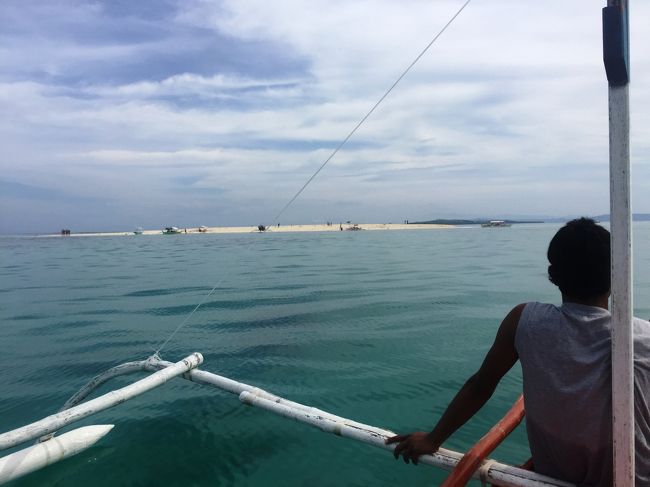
[322, 166]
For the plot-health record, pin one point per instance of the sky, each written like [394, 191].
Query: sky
[151, 113]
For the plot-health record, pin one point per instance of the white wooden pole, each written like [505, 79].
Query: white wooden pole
[98, 380]
[113, 398]
[95, 382]
[622, 332]
[234, 387]
[616, 57]
[43, 454]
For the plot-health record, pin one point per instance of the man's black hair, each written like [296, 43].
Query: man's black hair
[580, 260]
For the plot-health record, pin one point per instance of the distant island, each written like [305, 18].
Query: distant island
[637, 217]
[328, 227]
[443, 221]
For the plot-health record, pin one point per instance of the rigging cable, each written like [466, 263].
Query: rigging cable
[404, 73]
[329, 158]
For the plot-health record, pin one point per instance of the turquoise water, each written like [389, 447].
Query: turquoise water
[380, 327]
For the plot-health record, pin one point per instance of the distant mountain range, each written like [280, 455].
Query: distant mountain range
[444, 221]
[637, 217]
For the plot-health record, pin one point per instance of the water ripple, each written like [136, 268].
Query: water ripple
[382, 327]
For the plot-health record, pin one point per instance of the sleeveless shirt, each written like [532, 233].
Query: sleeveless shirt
[565, 355]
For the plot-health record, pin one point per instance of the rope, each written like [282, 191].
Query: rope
[484, 470]
[187, 318]
[322, 166]
[356, 127]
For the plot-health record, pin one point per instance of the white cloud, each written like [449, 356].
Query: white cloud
[512, 92]
[187, 84]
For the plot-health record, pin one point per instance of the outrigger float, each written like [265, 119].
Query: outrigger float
[50, 449]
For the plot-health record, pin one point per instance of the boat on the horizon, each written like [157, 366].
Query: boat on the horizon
[496, 224]
[171, 231]
[354, 228]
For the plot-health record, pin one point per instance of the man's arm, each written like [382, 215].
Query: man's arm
[471, 397]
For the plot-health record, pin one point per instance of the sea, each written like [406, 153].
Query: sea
[382, 327]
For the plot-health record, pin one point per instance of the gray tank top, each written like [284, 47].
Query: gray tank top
[566, 362]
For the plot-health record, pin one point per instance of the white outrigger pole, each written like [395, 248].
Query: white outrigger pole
[617, 66]
[55, 448]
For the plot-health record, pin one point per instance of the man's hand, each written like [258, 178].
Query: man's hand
[471, 397]
[413, 445]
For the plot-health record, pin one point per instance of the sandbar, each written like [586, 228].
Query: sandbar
[335, 227]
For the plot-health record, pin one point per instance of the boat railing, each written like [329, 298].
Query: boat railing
[40, 455]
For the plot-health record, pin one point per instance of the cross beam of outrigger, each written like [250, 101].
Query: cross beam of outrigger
[41, 454]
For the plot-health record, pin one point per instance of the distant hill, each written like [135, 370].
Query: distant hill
[443, 221]
[637, 217]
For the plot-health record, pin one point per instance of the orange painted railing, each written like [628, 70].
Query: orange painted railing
[472, 460]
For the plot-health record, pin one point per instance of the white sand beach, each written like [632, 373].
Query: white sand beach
[335, 227]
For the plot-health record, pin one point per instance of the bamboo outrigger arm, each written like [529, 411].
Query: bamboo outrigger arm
[490, 470]
[16, 464]
[68, 444]
[51, 449]
[95, 382]
[56, 421]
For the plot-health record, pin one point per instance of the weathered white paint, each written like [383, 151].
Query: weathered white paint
[113, 398]
[43, 454]
[622, 332]
[95, 382]
[498, 473]
[234, 387]
[98, 380]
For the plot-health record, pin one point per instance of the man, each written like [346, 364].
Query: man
[565, 354]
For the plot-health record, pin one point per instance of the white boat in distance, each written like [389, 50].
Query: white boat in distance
[495, 223]
[171, 230]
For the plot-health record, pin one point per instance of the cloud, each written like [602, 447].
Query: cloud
[247, 99]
